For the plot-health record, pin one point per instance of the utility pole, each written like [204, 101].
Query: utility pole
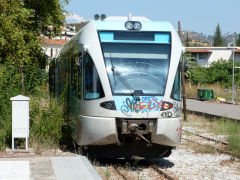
[233, 72]
[183, 77]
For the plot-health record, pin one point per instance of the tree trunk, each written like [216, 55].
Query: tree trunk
[22, 80]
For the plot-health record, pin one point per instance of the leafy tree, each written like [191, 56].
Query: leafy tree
[217, 38]
[22, 60]
[187, 44]
[96, 17]
[103, 16]
[99, 17]
[48, 15]
[238, 41]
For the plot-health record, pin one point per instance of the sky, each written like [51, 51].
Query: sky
[201, 16]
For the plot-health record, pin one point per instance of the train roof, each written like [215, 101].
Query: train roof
[120, 25]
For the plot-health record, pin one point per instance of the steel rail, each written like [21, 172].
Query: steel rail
[159, 171]
[217, 149]
[204, 137]
[119, 173]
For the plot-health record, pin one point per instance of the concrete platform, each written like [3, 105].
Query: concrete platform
[214, 109]
[74, 168]
[47, 168]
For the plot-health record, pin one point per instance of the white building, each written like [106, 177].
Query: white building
[52, 46]
[206, 55]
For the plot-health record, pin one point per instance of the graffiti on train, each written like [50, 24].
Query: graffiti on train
[143, 106]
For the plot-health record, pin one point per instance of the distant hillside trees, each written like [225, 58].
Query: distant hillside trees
[218, 40]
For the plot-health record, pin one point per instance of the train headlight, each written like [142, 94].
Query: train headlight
[108, 105]
[137, 25]
[129, 25]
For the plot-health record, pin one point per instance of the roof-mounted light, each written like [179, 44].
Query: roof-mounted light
[137, 25]
[133, 25]
[129, 25]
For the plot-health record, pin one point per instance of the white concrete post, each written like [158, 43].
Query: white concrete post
[20, 118]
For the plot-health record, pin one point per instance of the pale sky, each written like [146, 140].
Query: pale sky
[197, 15]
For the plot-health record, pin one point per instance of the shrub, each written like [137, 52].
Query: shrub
[219, 71]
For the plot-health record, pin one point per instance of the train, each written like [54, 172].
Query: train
[123, 83]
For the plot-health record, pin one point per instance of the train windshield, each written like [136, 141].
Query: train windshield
[141, 68]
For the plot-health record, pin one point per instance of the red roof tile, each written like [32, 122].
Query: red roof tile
[237, 50]
[59, 42]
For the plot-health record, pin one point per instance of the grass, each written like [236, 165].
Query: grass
[223, 126]
[232, 130]
[219, 90]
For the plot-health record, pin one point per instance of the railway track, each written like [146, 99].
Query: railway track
[220, 150]
[153, 167]
[207, 138]
[162, 173]
[115, 168]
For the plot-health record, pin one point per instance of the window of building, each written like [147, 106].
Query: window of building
[202, 56]
[51, 52]
[92, 84]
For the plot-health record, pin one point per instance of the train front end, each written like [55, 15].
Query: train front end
[138, 64]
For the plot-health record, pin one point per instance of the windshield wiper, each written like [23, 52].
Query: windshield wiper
[123, 80]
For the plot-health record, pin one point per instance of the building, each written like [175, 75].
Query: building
[206, 55]
[52, 47]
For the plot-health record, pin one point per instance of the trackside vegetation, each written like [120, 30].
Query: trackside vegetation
[217, 76]
[23, 67]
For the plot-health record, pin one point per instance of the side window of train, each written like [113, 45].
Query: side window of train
[76, 75]
[176, 90]
[91, 81]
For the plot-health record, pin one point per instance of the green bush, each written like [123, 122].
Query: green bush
[219, 71]
[9, 87]
[46, 122]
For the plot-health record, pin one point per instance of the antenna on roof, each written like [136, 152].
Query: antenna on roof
[129, 17]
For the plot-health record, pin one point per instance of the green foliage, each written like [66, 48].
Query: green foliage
[47, 13]
[23, 62]
[217, 38]
[219, 71]
[187, 42]
[9, 87]
[46, 122]
[238, 41]
[99, 17]
[96, 17]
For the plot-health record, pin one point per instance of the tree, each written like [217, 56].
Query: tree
[238, 41]
[218, 39]
[187, 42]
[99, 17]
[103, 16]
[22, 60]
[21, 23]
[48, 15]
[96, 17]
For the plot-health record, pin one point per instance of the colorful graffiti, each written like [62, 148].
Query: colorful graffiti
[144, 105]
[177, 109]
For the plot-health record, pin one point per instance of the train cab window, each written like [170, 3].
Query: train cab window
[92, 84]
[176, 90]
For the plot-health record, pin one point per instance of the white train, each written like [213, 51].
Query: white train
[124, 84]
